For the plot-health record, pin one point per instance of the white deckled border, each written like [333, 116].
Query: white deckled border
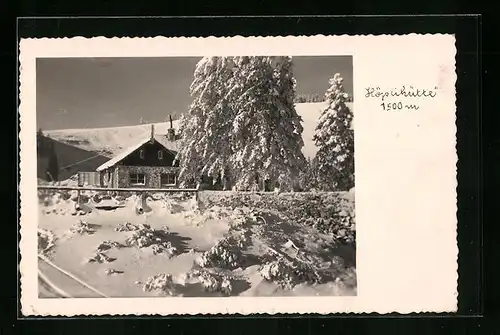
[405, 175]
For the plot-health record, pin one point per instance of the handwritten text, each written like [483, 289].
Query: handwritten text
[396, 98]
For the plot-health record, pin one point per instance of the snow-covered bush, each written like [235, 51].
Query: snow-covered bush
[161, 282]
[213, 282]
[329, 213]
[110, 272]
[164, 248]
[226, 253]
[337, 263]
[106, 245]
[53, 198]
[82, 227]
[146, 236]
[100, 257]
[240, 218]
[46, 241]
[127, 226]
[288, 273]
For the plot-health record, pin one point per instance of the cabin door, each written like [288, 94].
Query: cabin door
[109, 178]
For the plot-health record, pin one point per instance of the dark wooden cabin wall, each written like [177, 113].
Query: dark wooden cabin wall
[70, 159]
[150, 156]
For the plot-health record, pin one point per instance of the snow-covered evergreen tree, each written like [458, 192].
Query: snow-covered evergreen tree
[267, 131]
[205, 144]
[308, 177]
[305, 177]
[334, 138]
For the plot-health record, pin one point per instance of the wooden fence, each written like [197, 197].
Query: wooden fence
[89, 179]
[116, 189]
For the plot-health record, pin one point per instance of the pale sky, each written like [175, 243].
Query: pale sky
[107, 92]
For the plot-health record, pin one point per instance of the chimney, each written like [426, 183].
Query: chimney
[152, 132]
[171, 134]
[171, 130]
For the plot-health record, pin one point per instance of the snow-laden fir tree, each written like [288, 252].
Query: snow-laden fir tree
[205, 147]
[267, 132]
[308, 179]
[334, 138]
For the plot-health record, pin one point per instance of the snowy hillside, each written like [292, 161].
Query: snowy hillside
[110, 141]
[107, 141]
[310, 113]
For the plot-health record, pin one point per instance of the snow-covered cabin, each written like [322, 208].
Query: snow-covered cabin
[148, 163]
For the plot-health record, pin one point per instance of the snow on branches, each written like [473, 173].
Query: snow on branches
[267, 130]
[205, 148]
[242, 122]
[334, 138]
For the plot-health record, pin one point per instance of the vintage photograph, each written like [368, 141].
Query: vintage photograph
[215, 176]
[201, 176]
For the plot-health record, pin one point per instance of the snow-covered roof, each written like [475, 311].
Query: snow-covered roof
[161, 139]
[169, 145]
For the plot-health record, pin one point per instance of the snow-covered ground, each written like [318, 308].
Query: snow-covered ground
[110, 141]
[224, 243]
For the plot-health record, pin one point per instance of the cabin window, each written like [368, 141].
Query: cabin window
[141, 153]
[160, 154]
[168, 179]
[137, 179]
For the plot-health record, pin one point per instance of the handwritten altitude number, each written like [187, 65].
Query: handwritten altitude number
[395, 106]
